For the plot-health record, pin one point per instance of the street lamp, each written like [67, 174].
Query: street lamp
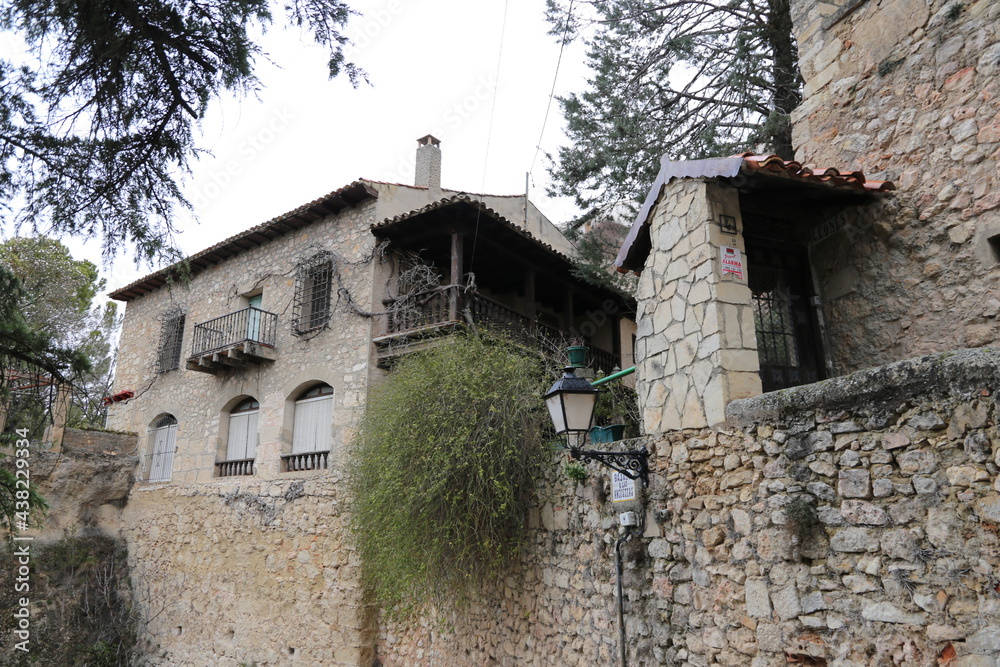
[571, 402]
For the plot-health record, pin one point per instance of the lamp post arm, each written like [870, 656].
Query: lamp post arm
[613, 376]
[633, 464]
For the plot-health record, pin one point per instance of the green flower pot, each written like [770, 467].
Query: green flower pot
[577, 356]
[604, 434]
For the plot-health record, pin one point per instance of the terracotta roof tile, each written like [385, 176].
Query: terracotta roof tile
[635, 248]
[304, 215]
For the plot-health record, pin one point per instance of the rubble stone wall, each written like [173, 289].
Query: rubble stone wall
[257, 574]
[854, 522]
[908, 91]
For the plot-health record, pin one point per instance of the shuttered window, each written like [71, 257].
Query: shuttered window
[163, 438]
[243, 431]
[313, 429]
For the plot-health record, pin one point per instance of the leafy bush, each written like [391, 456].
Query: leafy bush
[443, 469]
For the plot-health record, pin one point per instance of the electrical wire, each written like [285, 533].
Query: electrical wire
[555, 77]
[489, 132]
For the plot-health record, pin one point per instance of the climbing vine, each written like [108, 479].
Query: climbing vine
[443, 470]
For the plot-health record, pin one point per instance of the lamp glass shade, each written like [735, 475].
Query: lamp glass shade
[571, 403]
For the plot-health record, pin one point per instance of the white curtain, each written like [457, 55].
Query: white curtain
[242, 436]
[164, 442]
[313, 425]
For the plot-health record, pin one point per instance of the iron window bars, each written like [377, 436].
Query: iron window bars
[311, 302]
[171, 338]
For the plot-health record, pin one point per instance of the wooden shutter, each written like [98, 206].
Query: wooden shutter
[313, 425]
[242, 436]
[164, 443]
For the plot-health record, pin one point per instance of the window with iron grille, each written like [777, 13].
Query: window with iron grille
[313, 283]
[171, 337]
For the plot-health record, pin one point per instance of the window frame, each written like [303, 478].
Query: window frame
[313, 397]
[162, 450]
[312, 305]
[168, 356]
[248, 409]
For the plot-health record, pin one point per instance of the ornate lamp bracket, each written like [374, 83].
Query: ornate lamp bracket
[634, 464]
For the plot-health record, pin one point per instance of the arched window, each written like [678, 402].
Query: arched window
[162, 444]
[241, 444]
[313, 429]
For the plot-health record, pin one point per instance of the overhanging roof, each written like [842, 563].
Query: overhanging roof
[303, 216]
[765, 170]
[518, 244]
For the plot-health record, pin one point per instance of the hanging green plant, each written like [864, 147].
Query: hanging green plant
[442, 472]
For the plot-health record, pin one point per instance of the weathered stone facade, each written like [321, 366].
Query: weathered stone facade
[854, 522]
[695, 345]
[907, 90]
[251, 573]
[248, 562]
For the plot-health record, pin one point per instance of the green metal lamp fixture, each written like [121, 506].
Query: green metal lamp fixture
[571, 402]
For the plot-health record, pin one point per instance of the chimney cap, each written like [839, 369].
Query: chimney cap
[428, 140]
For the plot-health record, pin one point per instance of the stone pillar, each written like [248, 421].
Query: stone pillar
[60, 415]
[696, 349]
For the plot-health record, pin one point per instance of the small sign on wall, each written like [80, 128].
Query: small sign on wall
[622, 488]
[732, 261]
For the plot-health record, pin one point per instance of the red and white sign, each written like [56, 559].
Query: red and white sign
[732, 261]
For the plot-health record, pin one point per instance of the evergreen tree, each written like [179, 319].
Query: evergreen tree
[97, 118]
[689, 79]
[49, 329]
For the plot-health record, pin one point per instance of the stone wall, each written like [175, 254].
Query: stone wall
[852, 522]
[909, 91]
[108, 442]
[252, 574]
[337, 354]
[695, 345]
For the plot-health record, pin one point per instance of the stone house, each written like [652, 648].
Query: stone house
[250, 366]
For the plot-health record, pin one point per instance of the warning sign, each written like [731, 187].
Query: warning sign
[732, 261]
[622, 488]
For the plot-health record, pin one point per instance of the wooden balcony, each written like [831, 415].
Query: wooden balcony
[420, 319]
[232, 341]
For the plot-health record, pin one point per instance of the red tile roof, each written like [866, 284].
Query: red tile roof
[775, 165]
[635, 248]
[304, 215]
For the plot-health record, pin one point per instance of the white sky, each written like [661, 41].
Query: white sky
[433, 69]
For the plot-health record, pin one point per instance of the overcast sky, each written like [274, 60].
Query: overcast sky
[433, 67]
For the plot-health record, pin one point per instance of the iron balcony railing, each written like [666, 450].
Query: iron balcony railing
[248, 325]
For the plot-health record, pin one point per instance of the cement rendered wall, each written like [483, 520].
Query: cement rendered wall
[907, 91]
[897, 561]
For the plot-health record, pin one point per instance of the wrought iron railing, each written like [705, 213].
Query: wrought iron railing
[235, 468]
[250, 324]
[306, 461]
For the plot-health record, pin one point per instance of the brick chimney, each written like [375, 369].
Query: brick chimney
[428, 170]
